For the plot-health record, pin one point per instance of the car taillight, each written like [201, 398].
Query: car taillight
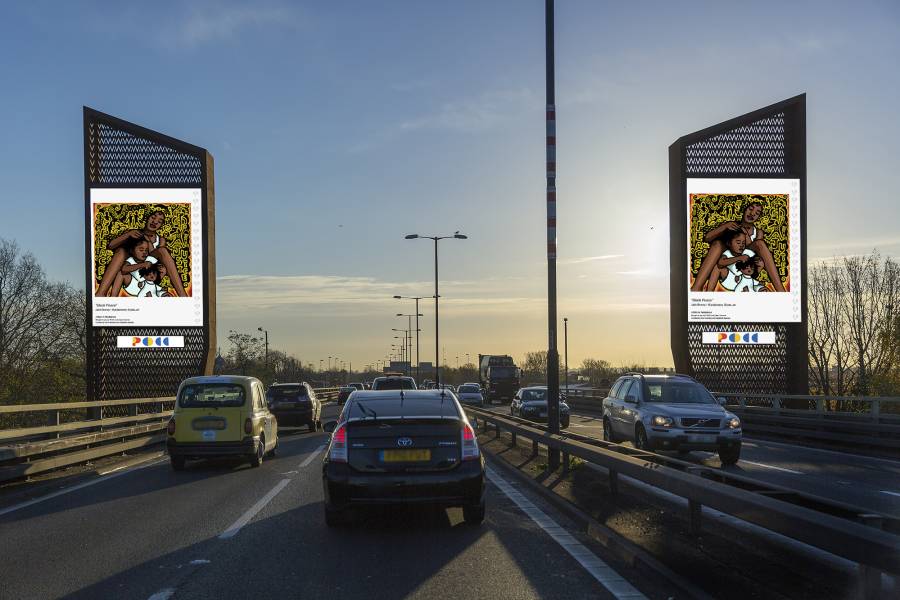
[171, 427]
[469, 444]
[338, 452]
[248, 426]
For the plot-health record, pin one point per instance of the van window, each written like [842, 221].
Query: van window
[201, 395]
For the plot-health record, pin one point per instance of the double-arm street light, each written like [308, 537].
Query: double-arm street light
[416, 298]
[409, 345]
[437, 344]
[267, 346]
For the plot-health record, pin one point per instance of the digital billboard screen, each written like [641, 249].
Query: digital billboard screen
[147, 257]
[744, 250]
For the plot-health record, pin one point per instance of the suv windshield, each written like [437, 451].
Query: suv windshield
[679, 392]
[534, 395]
[283, 391]
[469, 389]
[200, 395]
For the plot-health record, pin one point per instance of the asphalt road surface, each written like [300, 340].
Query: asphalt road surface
[870, 483]
[221, 529]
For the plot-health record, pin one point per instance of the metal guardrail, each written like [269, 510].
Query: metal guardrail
[864, 543]
[33, 443]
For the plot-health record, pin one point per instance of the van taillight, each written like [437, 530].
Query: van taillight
[469, 443]
[171, 427]
[338, 451]
[248, 426]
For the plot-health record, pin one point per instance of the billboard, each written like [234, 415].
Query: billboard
[743, 250]
[146, 257]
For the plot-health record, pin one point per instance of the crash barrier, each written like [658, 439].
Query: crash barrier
[867, 539]
[35, 438]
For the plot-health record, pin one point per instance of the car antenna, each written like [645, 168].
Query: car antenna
[402, 398]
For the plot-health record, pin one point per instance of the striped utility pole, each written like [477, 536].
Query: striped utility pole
[552, 353]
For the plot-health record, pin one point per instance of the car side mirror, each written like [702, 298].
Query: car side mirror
[631, 399]
[722, 400]
[329, 426]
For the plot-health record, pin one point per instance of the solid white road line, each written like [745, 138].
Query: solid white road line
[74, 488]
[598, 569]
[750, 462]
[312, 456]
[245, 518]
[890, 492]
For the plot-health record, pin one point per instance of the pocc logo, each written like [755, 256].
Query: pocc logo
[734, 338]
[150, 341]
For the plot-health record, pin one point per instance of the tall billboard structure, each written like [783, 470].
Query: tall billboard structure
[737, 205]
[149, 260]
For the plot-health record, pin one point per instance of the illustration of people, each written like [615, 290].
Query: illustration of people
[158, 251]
[150, 285]
[734, 258]
[707, 275]
[748, 281]
[130, 277]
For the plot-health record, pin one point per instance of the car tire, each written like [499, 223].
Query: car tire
[177, 463]
[334, 517]
[608, 434]
[257, 459]
[274, 449]
[729, 455]
[473, 514]
[640, 438]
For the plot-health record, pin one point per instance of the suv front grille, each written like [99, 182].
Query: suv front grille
[696, 423]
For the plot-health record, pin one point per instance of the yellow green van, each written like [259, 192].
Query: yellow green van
[223, 415]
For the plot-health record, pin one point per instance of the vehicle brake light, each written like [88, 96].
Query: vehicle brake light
[171, 427]
[248, 426]
[338, 451]
[469, 443]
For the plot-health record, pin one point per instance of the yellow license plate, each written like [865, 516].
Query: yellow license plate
[405, 455]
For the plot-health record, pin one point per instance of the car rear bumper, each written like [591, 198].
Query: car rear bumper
[462, 486]
[246, 447]
[289, 416]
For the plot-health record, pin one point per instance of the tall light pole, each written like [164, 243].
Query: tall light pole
[566, 348]
[437, 345]
[409, 331]
[416, 298]
[267, 345]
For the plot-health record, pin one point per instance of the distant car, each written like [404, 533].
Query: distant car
[295, 404]
[344, 393]
[470, 393]
[670, 412]
[402, 447]
[358, 386]
[531, 403]
[394, 382]
[447, 386]
[224, 415]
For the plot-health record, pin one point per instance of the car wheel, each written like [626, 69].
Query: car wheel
[729, 455]
[257, 458]
[177, 463]
[474, 514]
[274, 449]
[608, 434]
[640, 438]
[334, 517]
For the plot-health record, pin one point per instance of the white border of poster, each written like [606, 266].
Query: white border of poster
[139, 311]
[772, 307]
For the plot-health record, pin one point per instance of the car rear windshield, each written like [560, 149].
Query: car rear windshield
[411, 408]
[503, 372]
[534, 395]
[679, 392]
[200, 395]
[283, 391]
[394, 383]
[469, 389]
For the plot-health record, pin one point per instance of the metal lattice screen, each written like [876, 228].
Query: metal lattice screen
[758, 148]
[118, 154]
[746, 369]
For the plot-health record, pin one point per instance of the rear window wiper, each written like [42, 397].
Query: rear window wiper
[367, 410]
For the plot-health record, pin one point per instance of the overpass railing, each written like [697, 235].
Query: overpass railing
[35, 438]
[839, 529]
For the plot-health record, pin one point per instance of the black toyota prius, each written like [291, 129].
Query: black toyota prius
[403, 447]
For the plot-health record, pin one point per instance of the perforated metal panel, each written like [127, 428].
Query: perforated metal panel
[118, 153]
[770, 142]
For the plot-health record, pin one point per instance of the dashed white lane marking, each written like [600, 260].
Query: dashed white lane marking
[67, 490]
[312, 456]
[890, 492]
[598, 569]
[163, 594]
[750, 462]
[245, 518]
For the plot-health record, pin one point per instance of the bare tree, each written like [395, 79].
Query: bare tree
[534, 366]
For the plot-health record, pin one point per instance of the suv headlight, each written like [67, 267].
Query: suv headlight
[734, 423]
[660, 421]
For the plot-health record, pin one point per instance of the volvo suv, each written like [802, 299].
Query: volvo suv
[670, 412]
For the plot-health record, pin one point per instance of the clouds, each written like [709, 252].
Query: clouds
[209, 23]
[488, 110]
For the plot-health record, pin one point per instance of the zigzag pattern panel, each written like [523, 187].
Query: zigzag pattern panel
[758, 148]
[118, 156]
[750, 369]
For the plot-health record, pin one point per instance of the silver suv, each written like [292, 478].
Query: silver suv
[670, 412]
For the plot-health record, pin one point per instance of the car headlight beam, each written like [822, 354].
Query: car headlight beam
[734, 423]
[661, 421]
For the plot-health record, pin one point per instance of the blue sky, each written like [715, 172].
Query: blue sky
[339, 127]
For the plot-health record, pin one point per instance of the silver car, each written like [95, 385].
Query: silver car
[670, 412]
[469, 393]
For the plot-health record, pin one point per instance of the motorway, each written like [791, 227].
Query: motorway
[867, 482]
[221, 529]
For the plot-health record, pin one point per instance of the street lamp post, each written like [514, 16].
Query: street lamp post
[267, 346]
[416, 298]
[566, 348]
[437, 345]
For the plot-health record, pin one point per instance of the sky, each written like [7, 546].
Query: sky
[339, 127]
